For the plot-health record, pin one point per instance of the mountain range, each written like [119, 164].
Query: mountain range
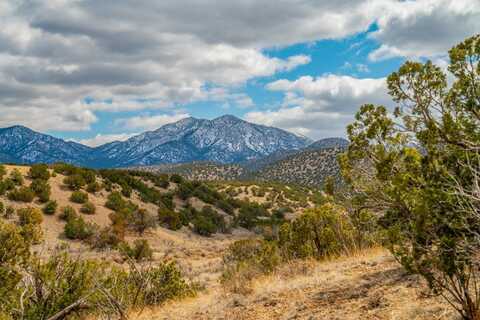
[225, 140]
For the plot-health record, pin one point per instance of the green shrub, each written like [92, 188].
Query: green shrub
[74, 182]
[9, 212]
[94, 187]
[17, 177]
[169, 218]
[42, 189]
[88, 208]
[67, 213]
[79, 197]
[107, 237]
[176, 178]
[204, 226]
[115, 201]
[2, 209]
[319, 232]
[39, 171]
[249, 213]
[139, 252]
[22, 194]
[77, 229]
[247, 259]
[50, 207]
[3, 171]
[143, 220]
[6, 185]
[30, 219]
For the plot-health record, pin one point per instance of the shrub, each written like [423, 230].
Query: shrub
[108, 237]
[30, 219]
[74, 182]
[139, 252]
[248, 215]
[176, 178]
[23, 194]
[88, 208]
[17, 177]
[169, 218]
[143, 220]
[79, 197]
[115, 201]
[50, 207]
[9, 212]
[2, 209]
[42, 189]
[3, 171]
[77, 229]
[39, 171]
[6, 185]
[319, 232]
[67, 213]
[247, 259]
[204, 226]
[94, 187]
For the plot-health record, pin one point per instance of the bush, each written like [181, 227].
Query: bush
[247, 259]
[204, 226]
[67, 213]
[79, 197]
[9, 212]
[176, 178]
[3, 171]
[22, 194]
[17, 177]
[94, 187]
[106, 238]
[30, 219]
[320, 232]
[88, 208]
[50, 207]
[139, 252]
[74, 182]
[143, 220]
[249, 213]
[2, 209]
[115, 201]
[169, 218]
[6, 185]
[42, 189]
[77, 229]
[39, 171]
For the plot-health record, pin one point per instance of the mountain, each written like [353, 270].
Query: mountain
[19, 144]
[226, 139]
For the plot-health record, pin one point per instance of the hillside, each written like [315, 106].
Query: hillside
[307, 168]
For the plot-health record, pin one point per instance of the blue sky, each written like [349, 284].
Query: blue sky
[304, 66]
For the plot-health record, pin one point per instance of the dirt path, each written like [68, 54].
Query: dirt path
[369, 286]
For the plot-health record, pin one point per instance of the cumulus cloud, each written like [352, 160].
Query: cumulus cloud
[145, 55]
[424, 28]
[323, 106]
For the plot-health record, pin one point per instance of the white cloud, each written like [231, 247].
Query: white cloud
[426, 28]
[148, 122]
[146, 55]
[323, 106]
[100, 139]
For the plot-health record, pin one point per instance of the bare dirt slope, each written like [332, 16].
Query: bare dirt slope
[369, 286]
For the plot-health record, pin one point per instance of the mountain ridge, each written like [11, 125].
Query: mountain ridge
[226, 139]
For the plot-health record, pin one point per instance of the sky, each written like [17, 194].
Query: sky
[97, 71]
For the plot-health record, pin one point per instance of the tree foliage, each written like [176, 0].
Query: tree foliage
[417, 170]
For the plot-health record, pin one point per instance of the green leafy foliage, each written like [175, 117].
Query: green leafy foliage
[39, 171]
[79, 197]
[140, 250]
[419, 172]
[21, 194]
[50, 207]
[88, 208]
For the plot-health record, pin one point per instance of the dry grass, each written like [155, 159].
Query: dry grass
[369, 285]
